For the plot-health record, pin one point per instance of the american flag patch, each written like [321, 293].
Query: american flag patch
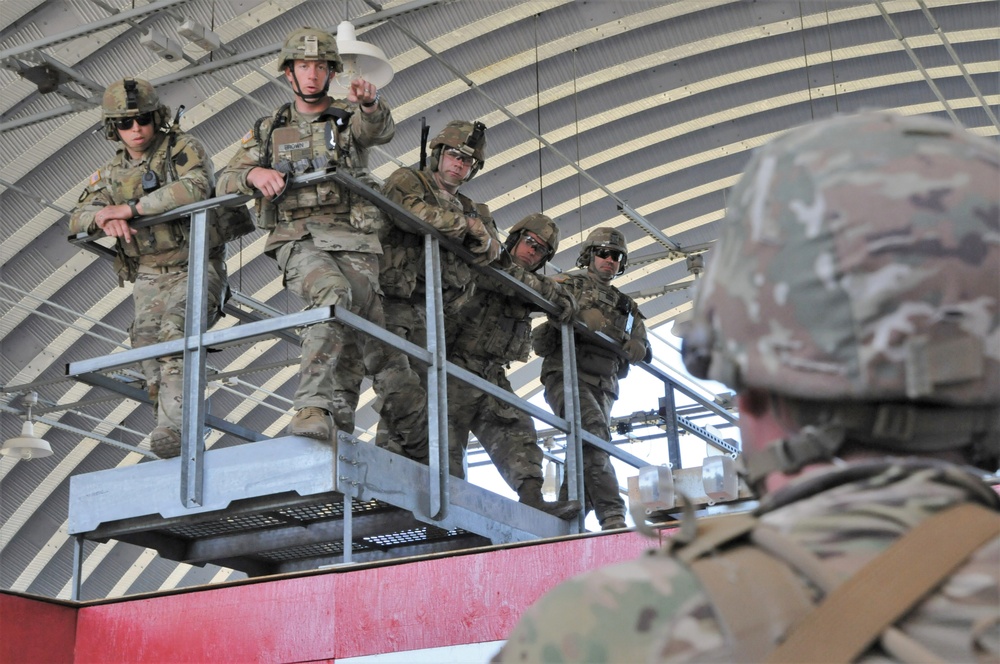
[95, 177]
[247, 137]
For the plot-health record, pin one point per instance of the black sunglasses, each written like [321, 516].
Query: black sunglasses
[124, 124]
[613, 254]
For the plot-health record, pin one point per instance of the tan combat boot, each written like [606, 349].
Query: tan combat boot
[530, 493]
[312, 422]
[165, 442]
[616, 522]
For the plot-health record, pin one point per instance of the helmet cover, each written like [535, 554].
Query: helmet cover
[604, 237]
[128, 98]
[310, 44]
[467, 137]
[541, 225]
[859, 262]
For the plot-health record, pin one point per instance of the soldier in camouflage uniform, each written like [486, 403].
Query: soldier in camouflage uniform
[326, 238]
[492, 330]
[854, 302]
[157, 168]
[603, 308]
[458, 152]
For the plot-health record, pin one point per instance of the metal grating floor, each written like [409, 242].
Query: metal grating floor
[298, 515]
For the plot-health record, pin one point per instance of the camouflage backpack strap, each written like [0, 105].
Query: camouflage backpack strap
[473, 209]
[168, 162]
[755, 596]
[854, 614]
[424, 180]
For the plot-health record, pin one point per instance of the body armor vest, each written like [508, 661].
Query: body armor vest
[615, 308]
[125, 183]
[297, 147]
[494, 326]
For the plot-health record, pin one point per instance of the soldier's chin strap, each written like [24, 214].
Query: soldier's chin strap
[309, 99]
[812, 444]
[891, 428]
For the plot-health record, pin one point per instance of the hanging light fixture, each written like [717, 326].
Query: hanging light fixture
[361, 60]
[27, 445]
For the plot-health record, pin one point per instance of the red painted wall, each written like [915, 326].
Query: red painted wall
[420, 604]
[35, 631]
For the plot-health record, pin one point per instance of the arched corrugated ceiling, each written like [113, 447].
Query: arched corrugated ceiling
[590, 106]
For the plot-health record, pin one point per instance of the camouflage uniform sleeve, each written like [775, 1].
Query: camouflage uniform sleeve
[194, 181]
[405, 188]
[571, 284]
[95, 196]
[639, 329]
[378, 128]
[628, 612]
[233, 178]
[544, 286]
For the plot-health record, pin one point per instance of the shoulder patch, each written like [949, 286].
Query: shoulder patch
[247, 137]
[95, 177]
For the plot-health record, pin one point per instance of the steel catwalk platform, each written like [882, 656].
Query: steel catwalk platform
[291, 503]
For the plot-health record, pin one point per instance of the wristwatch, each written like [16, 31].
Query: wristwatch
[373, 102]
[132, 206]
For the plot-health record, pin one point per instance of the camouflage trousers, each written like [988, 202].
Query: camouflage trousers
[506, 433]
[160, 309]
[408, 321]
[599, 479]
[330, 371]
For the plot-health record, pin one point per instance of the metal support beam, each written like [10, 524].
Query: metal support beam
[571, 412]
[78, 543]
[90, 28]
[668, 409]
[437, 382]
[195, 326]
[215, 338]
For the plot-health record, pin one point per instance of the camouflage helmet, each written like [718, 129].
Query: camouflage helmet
[603, 237]
[858, 267]
[468, 137]
[542, 226]
[310, 44]
[129, 98]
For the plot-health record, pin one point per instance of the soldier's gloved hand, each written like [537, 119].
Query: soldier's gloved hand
[593, 319]
[636, 350]
[480, 242]
[567, 307]
[545, 339]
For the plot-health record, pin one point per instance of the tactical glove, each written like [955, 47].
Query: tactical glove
[636, 349]
[567, 307]
[593, 319]
[480, 242]
[545, 339]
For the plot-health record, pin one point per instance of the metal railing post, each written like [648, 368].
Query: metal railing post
[437, 383]
[195, 326]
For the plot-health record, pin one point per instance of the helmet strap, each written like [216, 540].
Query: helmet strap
[811, 444]
[309, 99]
